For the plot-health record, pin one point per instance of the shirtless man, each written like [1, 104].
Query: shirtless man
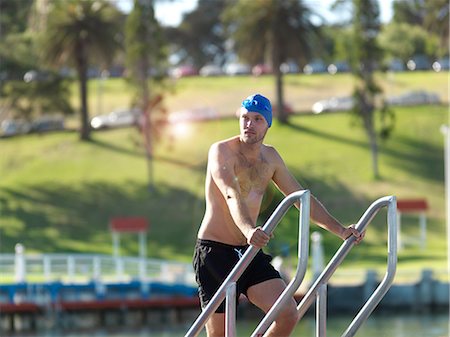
[238, 173]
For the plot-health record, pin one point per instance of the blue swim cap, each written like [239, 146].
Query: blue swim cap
[260, 104]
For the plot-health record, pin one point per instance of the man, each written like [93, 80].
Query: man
[238, 173]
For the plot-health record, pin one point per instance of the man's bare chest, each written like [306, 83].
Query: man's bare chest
[253, 177]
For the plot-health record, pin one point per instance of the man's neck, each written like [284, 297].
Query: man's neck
[250, 151]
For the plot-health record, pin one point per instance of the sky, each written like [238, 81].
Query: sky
[170, 13]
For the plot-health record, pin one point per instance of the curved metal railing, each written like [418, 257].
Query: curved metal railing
[250, 253]
[318, 289]
[372, 302]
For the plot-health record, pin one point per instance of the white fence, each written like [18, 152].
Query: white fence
[77, 268]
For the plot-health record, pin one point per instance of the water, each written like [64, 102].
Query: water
[378, 325]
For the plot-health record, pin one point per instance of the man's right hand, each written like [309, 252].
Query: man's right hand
[257, 237]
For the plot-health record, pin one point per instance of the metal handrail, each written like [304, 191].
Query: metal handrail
[250, 253]
[340, 255]
[384, 286]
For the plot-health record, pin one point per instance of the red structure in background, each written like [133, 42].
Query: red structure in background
[137, 225]
[414, 206]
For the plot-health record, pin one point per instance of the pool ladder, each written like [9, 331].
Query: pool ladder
[317, 291]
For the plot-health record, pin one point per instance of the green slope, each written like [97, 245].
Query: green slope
[57, 193]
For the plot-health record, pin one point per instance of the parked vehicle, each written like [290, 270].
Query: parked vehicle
[211, 70]
[234, 69]
[289, 68]
[117, 118]
[441, 64]
[314, 67]
[418, 97]
[338, 67]
[183, 71]
[261, 69]
[418, 62]
[396, 65]
[333, 104]
[47, 123]
[13, 127]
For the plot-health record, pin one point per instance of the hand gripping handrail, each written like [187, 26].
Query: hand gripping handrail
[250, 253]
[337, 259]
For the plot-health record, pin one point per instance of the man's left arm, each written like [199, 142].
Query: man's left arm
[287, 184]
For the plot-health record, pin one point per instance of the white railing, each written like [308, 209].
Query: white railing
[77, 268]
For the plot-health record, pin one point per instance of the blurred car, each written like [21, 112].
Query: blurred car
[117, 118]
[418, 62]
[289, 68]
[338, 67]
[314, 67]
[418, 97]
[234, 69]
[47, 124]
[261, 69]
[441, 64]
[13, 127]
[183, 71]
[396, 65]
[333, 104]
[211, 70]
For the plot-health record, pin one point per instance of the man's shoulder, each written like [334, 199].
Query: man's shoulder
[270, 151]
[225, 145]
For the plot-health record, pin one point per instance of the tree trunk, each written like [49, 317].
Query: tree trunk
[276, 62]
[146, 114]
[282, 114]
[372, 137]
[85, 129]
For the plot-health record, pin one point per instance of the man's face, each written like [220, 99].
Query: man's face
[253, 127]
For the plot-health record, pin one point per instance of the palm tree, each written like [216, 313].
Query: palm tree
[78, 33]
[273, 30]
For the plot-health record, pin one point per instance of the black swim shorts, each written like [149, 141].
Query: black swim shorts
[213, 262]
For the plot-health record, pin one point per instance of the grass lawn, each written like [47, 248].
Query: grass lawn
[57, 193]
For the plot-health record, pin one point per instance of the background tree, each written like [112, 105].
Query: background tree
[27, 88]
[432, 16]
[403, 40]
[200, 38]
[367, 56]
[80, 33]
[274, 31]
[145, 55]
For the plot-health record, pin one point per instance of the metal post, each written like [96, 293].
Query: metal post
[47, 268]
[230, 311]
[142, 245]
[384, 286]
[20, 273]
[71, 268]
[348, 244]
[116, 244]
[445, 129]
[321, 300]
[303, 240]
[96, 268]
[399, 229]
[321, 311]
[423, 230]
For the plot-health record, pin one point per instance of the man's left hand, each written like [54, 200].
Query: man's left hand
[351, 230]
